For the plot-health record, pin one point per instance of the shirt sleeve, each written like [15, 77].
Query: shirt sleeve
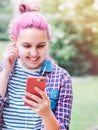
[1, 105]
[2, 101]
[63, 110]
[64, 104]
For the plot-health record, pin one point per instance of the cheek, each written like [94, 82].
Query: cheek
[21, 49]
[44, 52]
[21, 52]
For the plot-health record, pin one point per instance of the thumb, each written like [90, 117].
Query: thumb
[13, 44]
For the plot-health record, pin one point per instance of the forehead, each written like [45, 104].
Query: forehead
[33, 35]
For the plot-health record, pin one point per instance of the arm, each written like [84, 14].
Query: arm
[64, 104]
[50, 122]
[9, 56]
[4, 76]
[61, 119]
[42, 107]
[3, 86]
[63, 110]
[2, 94]
[1, 110]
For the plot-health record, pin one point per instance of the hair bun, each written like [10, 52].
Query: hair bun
[27, 8]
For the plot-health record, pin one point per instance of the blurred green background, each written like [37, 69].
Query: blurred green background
[74, 37]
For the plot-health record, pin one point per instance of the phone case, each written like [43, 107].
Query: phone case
[33, 82]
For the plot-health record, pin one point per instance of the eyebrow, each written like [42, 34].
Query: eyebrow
[31, 43]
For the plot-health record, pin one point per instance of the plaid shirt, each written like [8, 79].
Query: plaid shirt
[59, 90]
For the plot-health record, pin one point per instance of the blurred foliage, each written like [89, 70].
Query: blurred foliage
[74, 42]
[74, 32]
[5, 16]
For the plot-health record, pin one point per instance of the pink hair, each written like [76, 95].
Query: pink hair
[29, 18]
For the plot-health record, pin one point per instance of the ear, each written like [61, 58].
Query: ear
[13, 39]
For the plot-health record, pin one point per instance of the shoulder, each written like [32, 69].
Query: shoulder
[60, 70]
[62, 74]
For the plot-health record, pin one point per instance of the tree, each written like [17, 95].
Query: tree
[5, 16]
[74, 34]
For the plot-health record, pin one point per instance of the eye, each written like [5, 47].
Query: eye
[27, 45]
[41, 46]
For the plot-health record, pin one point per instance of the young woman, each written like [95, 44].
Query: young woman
[27, 56]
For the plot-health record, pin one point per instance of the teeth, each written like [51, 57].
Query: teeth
[32, 59]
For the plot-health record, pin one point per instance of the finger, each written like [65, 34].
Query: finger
[10, 52]
[42, 93]
[34, 97]
[13, 44]
[12, 48]
[32, 104]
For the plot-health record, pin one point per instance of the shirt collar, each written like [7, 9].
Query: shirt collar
[46, 66]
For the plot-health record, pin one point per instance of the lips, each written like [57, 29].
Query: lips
[33, 59]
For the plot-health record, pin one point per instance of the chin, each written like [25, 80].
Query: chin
[34, 67]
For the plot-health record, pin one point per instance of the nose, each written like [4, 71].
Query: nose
[34, 52]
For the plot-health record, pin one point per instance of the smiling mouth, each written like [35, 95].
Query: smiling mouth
[33, 59]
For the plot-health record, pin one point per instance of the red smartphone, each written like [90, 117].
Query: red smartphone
[33, 82]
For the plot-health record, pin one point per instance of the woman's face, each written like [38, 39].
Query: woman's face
[32, 45]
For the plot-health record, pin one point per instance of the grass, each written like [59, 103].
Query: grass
[85, 103]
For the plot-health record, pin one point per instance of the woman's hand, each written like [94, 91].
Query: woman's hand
[9, 56]
[40, 105]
